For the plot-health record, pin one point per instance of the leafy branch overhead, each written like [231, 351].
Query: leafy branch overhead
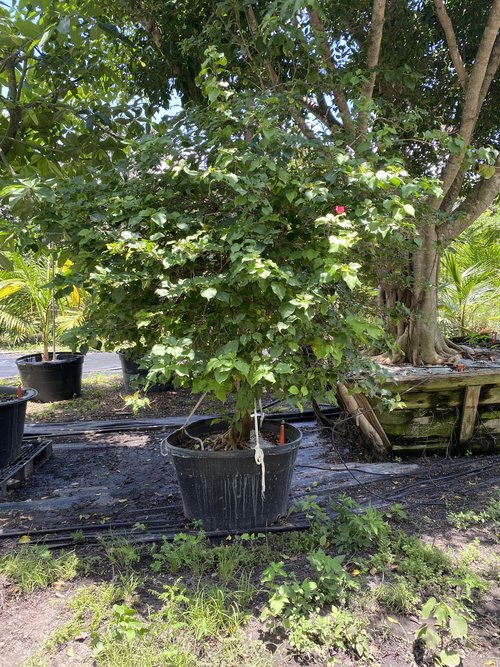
[391, 78]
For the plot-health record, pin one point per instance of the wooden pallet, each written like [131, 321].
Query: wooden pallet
[32, 455]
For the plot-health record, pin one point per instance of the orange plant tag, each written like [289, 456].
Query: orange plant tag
[282, 433]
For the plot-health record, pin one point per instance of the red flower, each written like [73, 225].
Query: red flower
[339, 210]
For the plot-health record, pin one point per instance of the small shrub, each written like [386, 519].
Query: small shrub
[423, 564]
[185, 551]
[319, 634]
[357, 530]
[291, 598]
[120, 552]
[464, 520]
[447, 624]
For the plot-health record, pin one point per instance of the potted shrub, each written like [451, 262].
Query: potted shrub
[28, 308]
[135, 375]
[256, 276]
[12, 416]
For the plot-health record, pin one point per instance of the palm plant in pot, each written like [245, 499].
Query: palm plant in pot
[30, 309]
[261, 254]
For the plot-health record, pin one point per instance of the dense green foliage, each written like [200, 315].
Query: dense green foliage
[470, 280]
[65, 100]
[240, 244]
[238, 263]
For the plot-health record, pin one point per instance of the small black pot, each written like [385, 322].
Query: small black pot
[223, 490]
[12, 417]
[134, 377]
[57, 380]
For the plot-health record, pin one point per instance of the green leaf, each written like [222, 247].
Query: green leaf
[351, 280]
[282, 368]
[242, 366]
[230, 348]
[279, 290]
[294, 390]
[408, 209]
[458, 626]
[159, 218]
[209, 293]
[449, 657]
[428, 607]
[28, 29]
[287, 309]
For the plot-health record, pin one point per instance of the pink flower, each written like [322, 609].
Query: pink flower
[339, 210]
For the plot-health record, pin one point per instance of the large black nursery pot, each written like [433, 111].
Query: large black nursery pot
[12, 417]
[223, 490]
[54, 380]
[134, 376]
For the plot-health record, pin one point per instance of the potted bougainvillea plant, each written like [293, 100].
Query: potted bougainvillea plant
[254, 252]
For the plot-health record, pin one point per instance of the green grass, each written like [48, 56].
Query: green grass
[191, 602]
[467, 519]
[32, 567]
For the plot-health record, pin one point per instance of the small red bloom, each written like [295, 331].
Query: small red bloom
[339, 210]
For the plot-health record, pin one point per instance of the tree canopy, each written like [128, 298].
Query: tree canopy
[323, 149]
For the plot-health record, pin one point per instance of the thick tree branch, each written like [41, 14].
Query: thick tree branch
[472, 100]
[326, 111]
[451, 196]
[321, 112]
[480, 198]
[451, 40]
[273, 75]
[372, 57]
[337, 92]
[15, 111]
[491, 70]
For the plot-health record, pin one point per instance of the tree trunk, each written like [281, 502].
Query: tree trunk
[419, 339]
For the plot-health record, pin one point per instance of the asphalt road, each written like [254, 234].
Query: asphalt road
[95, 362]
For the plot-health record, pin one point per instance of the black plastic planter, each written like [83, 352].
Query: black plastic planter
[12, 416]
[223, 490]
[134, 377]
[57, 380]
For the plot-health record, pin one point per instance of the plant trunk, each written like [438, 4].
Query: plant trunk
[241, 430]
[418, 337]
[237, 435]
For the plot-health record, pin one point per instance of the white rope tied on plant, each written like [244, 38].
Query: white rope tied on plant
[163, 449]
[259, 452]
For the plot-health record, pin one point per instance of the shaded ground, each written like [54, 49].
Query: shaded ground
[122, 476]
[102, 481]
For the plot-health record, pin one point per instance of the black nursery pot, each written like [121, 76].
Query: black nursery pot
[57, 380]
[12, 417]
[223, 490]
[132, 371]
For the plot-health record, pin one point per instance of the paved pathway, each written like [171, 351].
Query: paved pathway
[95, 362]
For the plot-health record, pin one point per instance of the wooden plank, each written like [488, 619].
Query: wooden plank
[370, 435]
[367, 410]
[422, 428]
[490, 395]
[414, 449]
[451, 380]
[431, 399]
[469, 412]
